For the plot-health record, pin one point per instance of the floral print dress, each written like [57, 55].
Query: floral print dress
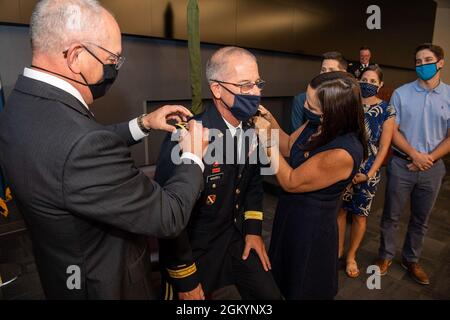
[358, 198]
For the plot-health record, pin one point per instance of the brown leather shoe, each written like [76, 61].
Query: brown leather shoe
[416, 272]
[383, 264]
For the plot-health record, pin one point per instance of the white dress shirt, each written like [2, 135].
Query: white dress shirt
[135, 131]
[233, 130]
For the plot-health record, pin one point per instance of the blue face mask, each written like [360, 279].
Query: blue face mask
[244, 106]
[313, 118]
[368, 89]
[427, 71]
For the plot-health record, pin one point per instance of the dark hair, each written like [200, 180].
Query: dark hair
[364, 48]
[437, 50]
[340, 99]
[375, 68]
[335, 55]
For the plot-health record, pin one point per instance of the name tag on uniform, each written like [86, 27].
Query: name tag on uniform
[214, 177]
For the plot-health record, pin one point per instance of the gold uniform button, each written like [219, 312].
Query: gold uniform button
[240, 175]
[238, 191]
[237, 206]
[214, 186]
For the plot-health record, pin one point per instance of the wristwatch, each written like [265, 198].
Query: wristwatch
[141, 124]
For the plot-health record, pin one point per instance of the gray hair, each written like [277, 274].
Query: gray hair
[56, 24]
[216, 67]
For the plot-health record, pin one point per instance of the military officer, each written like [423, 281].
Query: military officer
[357, 68]
[222, 244]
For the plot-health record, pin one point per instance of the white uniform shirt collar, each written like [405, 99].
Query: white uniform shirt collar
[54, 81]
[231, 127]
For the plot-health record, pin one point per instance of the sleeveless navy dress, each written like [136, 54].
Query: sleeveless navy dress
[304, 245]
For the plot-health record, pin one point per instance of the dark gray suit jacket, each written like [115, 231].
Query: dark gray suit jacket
[84, 201]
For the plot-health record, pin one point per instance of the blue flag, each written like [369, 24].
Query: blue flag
[5, 193]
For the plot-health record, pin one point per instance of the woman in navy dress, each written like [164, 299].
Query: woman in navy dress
[325, 154]
[358, 196]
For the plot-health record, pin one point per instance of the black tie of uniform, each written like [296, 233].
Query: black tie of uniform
[236, 139]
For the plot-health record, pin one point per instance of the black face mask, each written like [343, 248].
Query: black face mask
[100, 88]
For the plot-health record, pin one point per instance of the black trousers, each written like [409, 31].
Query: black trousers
[249, 276]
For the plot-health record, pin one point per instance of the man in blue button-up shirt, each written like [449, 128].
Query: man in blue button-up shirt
[421, 139]
[331, 61]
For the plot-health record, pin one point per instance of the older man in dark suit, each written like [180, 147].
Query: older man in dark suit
[88, 208]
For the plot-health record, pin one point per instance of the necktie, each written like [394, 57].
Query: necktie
[237, 147]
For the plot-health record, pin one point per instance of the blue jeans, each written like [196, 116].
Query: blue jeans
[422, 188]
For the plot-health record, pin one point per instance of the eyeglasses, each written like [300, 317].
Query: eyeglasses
[245, 87]
[117, 60]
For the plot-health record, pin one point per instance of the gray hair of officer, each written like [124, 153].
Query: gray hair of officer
[217, 67]
[56, 24]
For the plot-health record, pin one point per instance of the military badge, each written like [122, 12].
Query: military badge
[210, 199]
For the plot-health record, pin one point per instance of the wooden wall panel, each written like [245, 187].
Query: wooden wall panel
[26, 8]
[265, 24]
[169, 19]
[218, 21]
[309, 27]
[9, 11]
[133, 16]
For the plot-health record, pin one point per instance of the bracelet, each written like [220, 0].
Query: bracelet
[141, 124]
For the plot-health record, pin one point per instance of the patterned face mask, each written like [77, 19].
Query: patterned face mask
[368, 89]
